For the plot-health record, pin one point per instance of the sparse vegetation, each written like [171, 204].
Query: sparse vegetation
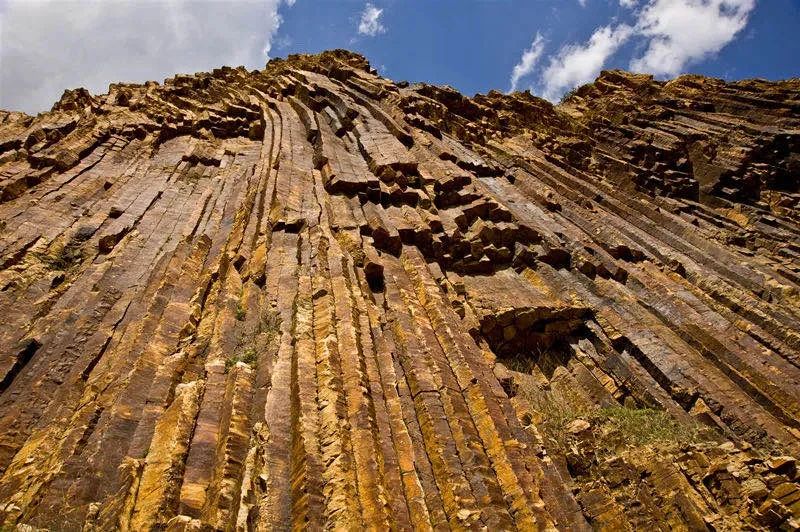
[62, 258]
[616, 425]
[248, 356]
[352, 247]
[570, 93]
[66, 252]
[519, 362]
[610, 425]
[642, 426]
[257, 341]
[525, 361]
[271, 324]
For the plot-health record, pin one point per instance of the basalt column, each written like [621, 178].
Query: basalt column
[312, 297]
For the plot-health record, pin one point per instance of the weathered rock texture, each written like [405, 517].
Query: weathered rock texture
[312, 297]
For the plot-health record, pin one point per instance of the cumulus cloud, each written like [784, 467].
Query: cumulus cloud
[50, 45]
[370, 23]
[677, 33]
[528, 61]
[575, 64]
[682, 32]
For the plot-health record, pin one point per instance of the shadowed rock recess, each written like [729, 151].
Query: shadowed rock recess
[310, 297]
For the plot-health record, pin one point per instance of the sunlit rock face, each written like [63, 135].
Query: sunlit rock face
[312, 297]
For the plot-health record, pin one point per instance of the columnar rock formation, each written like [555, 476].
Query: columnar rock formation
[308, 296]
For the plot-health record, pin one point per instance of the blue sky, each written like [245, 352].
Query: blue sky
[473, 45]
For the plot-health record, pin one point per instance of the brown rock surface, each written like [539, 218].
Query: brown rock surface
[309, 296]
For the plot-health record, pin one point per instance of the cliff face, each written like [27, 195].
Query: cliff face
[309, 296]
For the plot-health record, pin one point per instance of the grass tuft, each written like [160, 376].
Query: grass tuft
[616, 425]
[521, 363]
[644, 426]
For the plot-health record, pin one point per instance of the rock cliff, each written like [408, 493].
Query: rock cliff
[312, 297]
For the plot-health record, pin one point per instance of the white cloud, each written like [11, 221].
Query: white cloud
[47, 46]
[677, 33]
[682, 32]
[528, 61]
[370, 23]
[575, 64]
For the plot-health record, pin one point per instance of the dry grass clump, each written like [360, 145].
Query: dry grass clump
[615, 425]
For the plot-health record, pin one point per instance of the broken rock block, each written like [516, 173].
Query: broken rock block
[516, 318]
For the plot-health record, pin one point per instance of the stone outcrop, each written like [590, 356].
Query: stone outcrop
[312, 297]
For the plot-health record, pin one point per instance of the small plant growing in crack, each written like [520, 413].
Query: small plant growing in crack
[248, 356]
[271, 324]
[241, 313]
